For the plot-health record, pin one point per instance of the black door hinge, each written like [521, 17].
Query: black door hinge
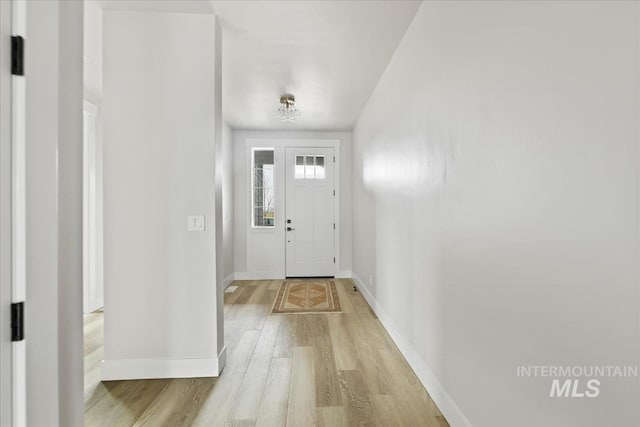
[17, 321]
[334, 260]
[17, 55]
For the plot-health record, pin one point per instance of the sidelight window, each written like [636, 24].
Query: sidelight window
[262, 200]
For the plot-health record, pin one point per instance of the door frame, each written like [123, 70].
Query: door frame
[279, 145]
[91, 217]
[6, 206]
[13, 215]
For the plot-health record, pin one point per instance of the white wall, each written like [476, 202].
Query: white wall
[41, 320]
[227, 205]
[495, 205]
[53, 307]
[93, 51]
[219, 190]
[69, 210]
[261, 253]
[161, 115]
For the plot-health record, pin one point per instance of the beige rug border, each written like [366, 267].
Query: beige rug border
[332, 289]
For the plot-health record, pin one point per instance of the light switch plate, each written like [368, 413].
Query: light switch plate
[195, 223]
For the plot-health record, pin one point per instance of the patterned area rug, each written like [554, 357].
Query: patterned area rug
[307, 296]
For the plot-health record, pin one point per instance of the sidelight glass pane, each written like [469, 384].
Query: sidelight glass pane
[309, 166]
[262, 195]
[319, 167]
[299, 172]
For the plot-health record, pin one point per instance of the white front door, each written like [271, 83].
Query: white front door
[309, 216]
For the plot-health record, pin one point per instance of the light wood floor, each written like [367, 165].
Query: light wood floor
[282, 370]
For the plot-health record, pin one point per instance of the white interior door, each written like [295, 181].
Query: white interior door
[309, 216]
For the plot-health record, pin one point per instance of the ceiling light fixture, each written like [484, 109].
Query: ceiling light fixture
[287, 111]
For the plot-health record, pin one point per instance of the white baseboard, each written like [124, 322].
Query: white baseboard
[344, 274]
[137, 369]
[226, 282]
[447, 406]
[267, 275]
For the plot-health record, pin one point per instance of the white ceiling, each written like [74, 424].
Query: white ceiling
[329, 54]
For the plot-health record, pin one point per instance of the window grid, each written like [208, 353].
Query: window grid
[262, 191]
[309, 167]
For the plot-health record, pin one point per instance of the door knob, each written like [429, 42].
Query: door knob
[290, 229]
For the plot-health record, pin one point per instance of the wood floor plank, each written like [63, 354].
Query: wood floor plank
[402, 378]
[359, 410]
[230, 298]
[324, 364]
[238, 359]
[245, 291]
[332, 416]
[302, 399]
[273, 408]
[262, 307]
[377, 336]
[255, 310]
[442, 422]
[122, 402]
[249, 396]
[392, 410]
[303, 329]
[360, 305]
[344, 351]
[411, 397]
[178, 403]
[274, 285]
[216, 408]
[233, 330]
[368, 363]
[344, 288]
[286, 336]
[389, 413]
[268, 336]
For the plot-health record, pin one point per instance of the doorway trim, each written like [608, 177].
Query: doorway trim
[280, 145]
[13, 404]
[92, 241]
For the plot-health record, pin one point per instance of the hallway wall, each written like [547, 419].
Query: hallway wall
[162, 120]
[227, 205]
[93, 43]
[495, 201]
